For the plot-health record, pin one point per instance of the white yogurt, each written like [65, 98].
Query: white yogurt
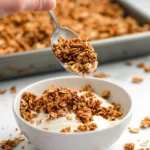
[61, 122]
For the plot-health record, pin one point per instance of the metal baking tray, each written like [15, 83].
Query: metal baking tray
[111, 49]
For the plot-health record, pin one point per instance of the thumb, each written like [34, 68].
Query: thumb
[38, 4]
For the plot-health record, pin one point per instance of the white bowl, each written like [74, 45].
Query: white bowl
[94, 140]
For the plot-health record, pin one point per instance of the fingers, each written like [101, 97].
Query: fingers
[38, 4]
[12, 6]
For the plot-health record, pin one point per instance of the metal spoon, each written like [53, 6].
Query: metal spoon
[60, 31]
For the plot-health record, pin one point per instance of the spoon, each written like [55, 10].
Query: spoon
[60, 31]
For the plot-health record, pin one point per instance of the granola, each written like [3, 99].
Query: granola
[9, 144]
[129, 146]
[94, 19]
[13, 89]
[2, 91]
[76, 54]
[145, 123]
[137, 79]
[61, 102]
[133, 130]
[141, 65]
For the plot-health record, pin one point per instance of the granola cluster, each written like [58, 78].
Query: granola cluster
[60, 102]
[9, 144]
[146, 122]
[96, 19]
[76, 54]
[129, 146]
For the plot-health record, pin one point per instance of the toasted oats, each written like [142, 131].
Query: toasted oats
[145, 123]
[77, 54]
[2, 91]
[60, 102]
[144, 144]
[67, 129]
[128, 63]
[133, 130]
[31, 30]
[87, 127]
[69, 118]
[9, 144]
[13, 89]
[129, 146]
[101, 75]
[147, 69]
[141, 65]
[106, 94]
[137, 79]
[75, 131]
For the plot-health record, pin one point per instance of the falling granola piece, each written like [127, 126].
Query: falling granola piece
[13, 89]
[129, 146]
[106, 94]
[77, 55]
[101, 75]
[137, 79]
[2, 91]
[133, 130]
[141, 65]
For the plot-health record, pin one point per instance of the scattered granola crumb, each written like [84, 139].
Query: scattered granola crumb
[2, 91]
[147, 69]
[16, 129]
[10, 134]
[145, 123]
[13, 89]
[137, 79]
[22, 147]
[9, 144]
[141, 65]
[129, 146]
[133, 130]
[77, 55]
[106, 94]
[128, 63]
[144, 144]
[67, 129]
[101, 75]
[29, 142]
[68, 118]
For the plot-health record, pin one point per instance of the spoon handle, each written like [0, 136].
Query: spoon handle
[56, 24]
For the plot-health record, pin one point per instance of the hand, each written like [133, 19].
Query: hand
[13, 6]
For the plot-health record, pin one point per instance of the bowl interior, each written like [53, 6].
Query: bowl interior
[118, 95]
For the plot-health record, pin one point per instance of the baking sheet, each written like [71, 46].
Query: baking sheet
[111, 49]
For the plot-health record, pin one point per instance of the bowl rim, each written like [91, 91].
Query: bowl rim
[80, 133]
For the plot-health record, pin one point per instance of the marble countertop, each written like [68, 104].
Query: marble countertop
[120, 74]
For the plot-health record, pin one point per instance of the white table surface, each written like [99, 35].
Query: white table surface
[120, 74]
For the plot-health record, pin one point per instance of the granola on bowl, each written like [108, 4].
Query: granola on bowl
[69, 111]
